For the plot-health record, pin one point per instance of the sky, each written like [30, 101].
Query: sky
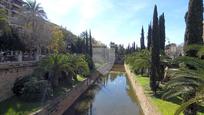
[119, 21]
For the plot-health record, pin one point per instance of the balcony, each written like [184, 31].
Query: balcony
[17, 2]
[2, 6]
[16, 5]
[15, 12]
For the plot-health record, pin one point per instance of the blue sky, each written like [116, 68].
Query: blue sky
[119, 21]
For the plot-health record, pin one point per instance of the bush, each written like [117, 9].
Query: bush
[19, 85]
[37, 90]
[30, 89]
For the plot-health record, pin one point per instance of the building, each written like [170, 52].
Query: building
[12, 8]
[173, 51]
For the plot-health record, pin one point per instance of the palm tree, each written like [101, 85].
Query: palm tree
[34, 9]
[198, 99]
[80, 65]
[35, 22]
[187, 80]
[139, 60]
[53, 66]
[62, 66]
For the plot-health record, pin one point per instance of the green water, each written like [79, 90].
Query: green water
[111, 95]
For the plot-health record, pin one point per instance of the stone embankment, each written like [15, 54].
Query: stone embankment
[145, 104]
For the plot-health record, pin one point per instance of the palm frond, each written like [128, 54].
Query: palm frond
[197, 99]
[194, 62]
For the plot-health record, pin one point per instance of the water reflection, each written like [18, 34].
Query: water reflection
[110, 95]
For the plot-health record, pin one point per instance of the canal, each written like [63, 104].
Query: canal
[110, 95]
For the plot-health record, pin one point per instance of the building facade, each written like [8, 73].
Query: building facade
[12, 8]
[173, 51]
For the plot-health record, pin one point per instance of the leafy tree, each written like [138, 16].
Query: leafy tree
[142, 39]
[155, 59]
[162, 34]
[149, 37]
[4, 26]
[11, 41]
[57, 43]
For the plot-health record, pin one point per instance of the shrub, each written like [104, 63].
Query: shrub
[31, 89]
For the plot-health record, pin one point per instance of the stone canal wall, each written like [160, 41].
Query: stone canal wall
[145, 104]
[9, 72]
[62, 103]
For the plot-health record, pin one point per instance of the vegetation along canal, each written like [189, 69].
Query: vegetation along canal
[111, 95]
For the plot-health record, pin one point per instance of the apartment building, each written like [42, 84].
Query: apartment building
[12, 8]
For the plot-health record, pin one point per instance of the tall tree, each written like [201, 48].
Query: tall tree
[142, 39]
[194, 24]
[34, 9]
[128, 49]
[162, 40]
[90, 44]
[133, 46]
[155, 59]
[35, 24]
[149, 37]
[193, 35]
[87, 42]
[162, 34]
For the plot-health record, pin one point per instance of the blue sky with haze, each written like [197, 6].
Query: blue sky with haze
[119, 21]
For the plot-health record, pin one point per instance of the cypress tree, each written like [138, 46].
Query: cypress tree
[87, 42]
[193, 35]
[194, 25]
[162, 34]
[142, 39]
[149, 37]
[90, 44]
[128, 49]
[133, 46]
[155, 59]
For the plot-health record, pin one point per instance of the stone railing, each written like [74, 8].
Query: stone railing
[18, 56]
